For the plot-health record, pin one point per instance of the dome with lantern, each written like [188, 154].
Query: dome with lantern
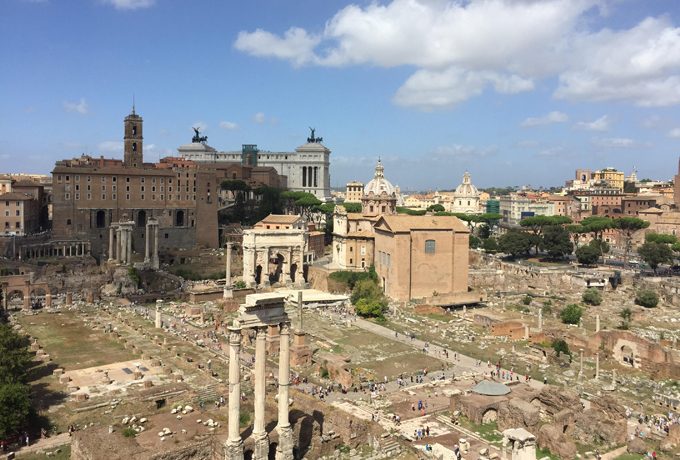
[466, 196]
[380, 196]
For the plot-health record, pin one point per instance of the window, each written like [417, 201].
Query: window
[67, 196]
[113, 179]
[127, 196]
[429, 246]
[18, 212]
[68, 221]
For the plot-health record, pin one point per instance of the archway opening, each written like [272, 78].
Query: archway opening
[38, 296]
[627, 355]
[101, 219]
[141, 218]
[179, 219]
[258, 274]
[489, 416]
[278, 269]
[15, 299]
[293, 271]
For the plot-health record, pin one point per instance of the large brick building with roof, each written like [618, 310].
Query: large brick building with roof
[90, 194]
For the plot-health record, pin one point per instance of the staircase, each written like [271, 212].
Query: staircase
[207, 394]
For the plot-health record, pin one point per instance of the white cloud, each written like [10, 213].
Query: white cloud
[675, 133]
[110, 147]
[506, 45]
[80, 107]
[550, 152]
[457, 151]
[130, 4]
[228, 125]
[616, 142]
[601, 124]
[259, 118]
[552, 117]
[295, 45]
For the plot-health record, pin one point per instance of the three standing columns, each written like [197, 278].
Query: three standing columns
[234, 446]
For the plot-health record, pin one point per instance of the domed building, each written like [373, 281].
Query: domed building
[380, 196]
[466, 197]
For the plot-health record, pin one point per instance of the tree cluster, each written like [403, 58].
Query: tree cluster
[368, 298]
[15, 403]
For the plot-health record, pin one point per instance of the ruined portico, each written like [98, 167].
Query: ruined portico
[120, 242]
[260, 312]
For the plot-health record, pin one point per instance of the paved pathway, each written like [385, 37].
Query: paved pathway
[45, 444]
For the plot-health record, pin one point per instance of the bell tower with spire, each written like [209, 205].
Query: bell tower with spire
[133, 156]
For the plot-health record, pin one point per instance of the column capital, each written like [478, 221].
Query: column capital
[284, 328]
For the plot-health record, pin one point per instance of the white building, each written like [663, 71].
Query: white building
[516, 206]
[466, 197]
[307, 168]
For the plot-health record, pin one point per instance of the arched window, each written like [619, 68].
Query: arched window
[68, 221]
[134, 130]
[134, 146]
[141, 218]
[179, 219]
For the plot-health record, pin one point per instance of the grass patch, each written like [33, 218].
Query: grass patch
[488, 431]
[543, 452]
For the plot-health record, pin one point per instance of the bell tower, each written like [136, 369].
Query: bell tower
[132, 153]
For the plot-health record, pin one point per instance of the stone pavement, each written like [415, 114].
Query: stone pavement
[461, 363]
[46, 444]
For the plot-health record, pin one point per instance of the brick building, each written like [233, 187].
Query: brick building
[92, 193]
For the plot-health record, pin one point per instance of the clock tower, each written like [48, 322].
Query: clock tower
[132, 153]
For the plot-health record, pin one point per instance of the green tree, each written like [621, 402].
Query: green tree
[646, 298]
[556, 242]
[592, 297]
[474, 242]
[371, 307]
[588, 254]
[627, 227]
[596, 225]
[515, 243]
[484, 231]
[436, 208]
[571, 314]
[352, 207]
[490, 245]
[15, 407]
[561, 346]
[655, 254]
[14, 356]
[664, 238]
[365, 289]
[626, 314]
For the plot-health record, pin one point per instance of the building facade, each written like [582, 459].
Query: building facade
[92, 194]
[466, 197]
[353, 192]
[307, 169]
[19, 214]
[421, 256]
[516, 206]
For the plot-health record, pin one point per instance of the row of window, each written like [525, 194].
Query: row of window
[18, 203]
[17, 225]
[67, 196]
[384, 258]
[17, 211]
[76, 178]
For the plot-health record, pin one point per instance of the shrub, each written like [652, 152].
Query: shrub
[240, 284]
[561, 346]
[129, 432]
[647, 298]
[526, 300]
[371, 307]
[588, 254]
[592, 297]
[571, 314]
[133, 274]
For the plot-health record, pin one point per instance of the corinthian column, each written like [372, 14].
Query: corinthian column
[284, 450]
[129, 245]
[228, 292]
[155, 262]
[234, 447]
[110, 244]
[147, 237]
[261, 451]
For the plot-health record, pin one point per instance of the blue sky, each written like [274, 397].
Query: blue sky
[517, 92]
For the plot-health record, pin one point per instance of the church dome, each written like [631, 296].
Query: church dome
[379, 185]
[466, 189]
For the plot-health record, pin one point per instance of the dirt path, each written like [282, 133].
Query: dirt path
[45, 444]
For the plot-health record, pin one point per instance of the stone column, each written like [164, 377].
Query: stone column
[597, 366]
[284, 450]
[155, 260]
[264, 276]
[287, 267]
[158, 321]
[69, 298]
[580, 371]
[249, 266]
[147, 236]
[48, 299]
[540, 320]
[234, 447]
[5, 294]
[228, 290]
[597, 323]
[129, 245]
[261, 450]
[119, 245]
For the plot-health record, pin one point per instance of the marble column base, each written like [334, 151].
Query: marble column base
[284, 450]
[261, 449]
[228, 293]
[233, 451]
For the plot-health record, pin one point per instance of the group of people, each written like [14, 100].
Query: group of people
[420, 433]
[659, 423]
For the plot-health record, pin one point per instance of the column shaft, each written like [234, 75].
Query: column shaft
[284, 449]
[129, 245]
[147, 237]
[154, 258]
[261, 450]
[234, 442]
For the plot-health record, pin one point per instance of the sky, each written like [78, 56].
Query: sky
[518, 92]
